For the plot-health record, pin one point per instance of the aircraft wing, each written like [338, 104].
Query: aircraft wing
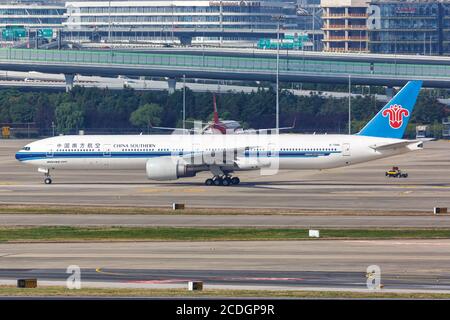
[234, 157]
[181, 130]
[270, 129]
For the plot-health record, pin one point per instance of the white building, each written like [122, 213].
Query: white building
[157, 19]
[32, 14]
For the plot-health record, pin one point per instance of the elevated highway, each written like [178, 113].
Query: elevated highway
[254, 66]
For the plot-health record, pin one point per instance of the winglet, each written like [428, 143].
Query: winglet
[391, 121]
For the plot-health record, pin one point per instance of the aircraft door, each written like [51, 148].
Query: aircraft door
[346, 149]
[106, 155]
[107, 150]
[49, 153]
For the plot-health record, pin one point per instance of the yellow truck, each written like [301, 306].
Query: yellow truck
[395, 172]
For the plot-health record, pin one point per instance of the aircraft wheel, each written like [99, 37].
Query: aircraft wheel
[217, 182]
[226, 181]
[209, 182]
[235, 180]
[48, 181]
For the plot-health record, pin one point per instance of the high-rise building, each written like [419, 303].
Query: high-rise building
[345, 25]
[411, 27]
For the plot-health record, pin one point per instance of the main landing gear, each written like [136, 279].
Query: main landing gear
[222, 181]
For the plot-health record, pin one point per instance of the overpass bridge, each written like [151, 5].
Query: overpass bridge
[293, 67]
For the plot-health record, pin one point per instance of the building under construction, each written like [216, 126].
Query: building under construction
[387, 26]
[345, 25]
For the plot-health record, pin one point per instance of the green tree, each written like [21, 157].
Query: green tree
[146, 115]
[69, 116]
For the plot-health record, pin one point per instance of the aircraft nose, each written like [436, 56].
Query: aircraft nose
[18, 156]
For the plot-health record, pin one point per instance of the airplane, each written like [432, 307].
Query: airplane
[170, 157]
[219, 126]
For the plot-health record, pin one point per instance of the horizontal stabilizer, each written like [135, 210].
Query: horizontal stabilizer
[395, 145]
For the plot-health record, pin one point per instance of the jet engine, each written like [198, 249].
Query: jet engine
[164, 169]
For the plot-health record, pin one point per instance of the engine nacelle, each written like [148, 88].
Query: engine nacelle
[164, 169]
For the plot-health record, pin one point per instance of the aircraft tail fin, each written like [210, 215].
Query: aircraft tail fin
[216, 114]
[391, 121]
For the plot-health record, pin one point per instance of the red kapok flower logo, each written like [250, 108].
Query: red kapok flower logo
[395, 113]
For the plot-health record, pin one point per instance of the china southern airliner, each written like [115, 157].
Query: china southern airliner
[170, 157]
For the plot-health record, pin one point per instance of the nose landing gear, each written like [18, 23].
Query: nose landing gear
[47, 178]
[225, 180]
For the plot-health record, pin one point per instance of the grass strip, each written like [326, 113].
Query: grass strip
[59, 233]
[54, 291]
[55, 209]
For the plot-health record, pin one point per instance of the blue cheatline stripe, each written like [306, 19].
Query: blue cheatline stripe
[28, 156]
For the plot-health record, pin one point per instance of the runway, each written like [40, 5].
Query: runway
[405, 264]
[285, 221]
[361, 187]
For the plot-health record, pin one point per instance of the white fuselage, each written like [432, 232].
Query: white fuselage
[292, 151]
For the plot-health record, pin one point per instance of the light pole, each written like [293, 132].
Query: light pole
[349, 104]
[424, 43]
[278, 79]
[360, 40]
[314, 29]
[173, 17]
[277, 111]
[184, 103]
[109, 21]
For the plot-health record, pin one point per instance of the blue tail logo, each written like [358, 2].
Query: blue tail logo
[392, 120]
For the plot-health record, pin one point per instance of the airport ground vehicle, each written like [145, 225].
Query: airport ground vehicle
[395, 172]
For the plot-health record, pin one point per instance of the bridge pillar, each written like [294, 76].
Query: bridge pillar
[389, 92]
[185, 40]
[69, 81]
[172, 83]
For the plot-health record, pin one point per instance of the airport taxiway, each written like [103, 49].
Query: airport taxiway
[362, 187]
[405, 264]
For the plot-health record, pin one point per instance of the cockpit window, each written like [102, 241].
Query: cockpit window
[26, 148]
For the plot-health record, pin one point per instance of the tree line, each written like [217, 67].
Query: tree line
[118, 111]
